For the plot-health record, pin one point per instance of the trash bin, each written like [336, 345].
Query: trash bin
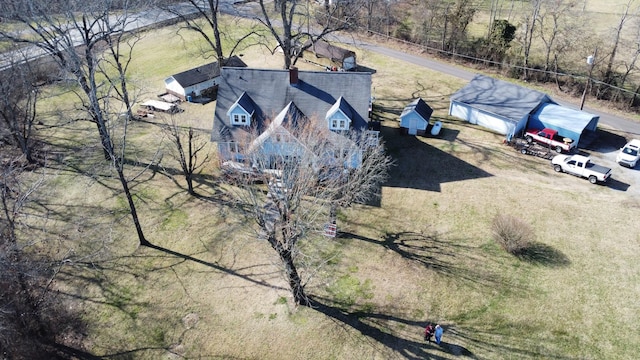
[189, 98]
[435, 130]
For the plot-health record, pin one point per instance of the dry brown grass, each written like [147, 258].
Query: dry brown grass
[425, 254]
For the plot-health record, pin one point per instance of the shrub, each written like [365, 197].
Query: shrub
[513, 234]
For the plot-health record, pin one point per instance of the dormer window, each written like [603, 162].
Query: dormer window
[339, 116]
[239, 119]
[242, 111]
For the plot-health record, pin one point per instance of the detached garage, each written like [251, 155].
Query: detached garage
[495, 104]
[574, 124]
[510, 109]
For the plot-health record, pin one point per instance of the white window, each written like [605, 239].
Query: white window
[342, 124]
[240, 119]
[334, 124]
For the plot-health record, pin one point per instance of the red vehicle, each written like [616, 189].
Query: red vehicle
[551, 138]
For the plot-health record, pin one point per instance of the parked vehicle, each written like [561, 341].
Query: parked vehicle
[629, 154]
[581, 166]
[551, 138]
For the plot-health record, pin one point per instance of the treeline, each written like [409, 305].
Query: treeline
[547, 41]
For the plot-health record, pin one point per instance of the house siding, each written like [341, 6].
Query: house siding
[238, 110]
[338, 116]
[197, 89]
[173, 87]
[475, 116]
[419, 121]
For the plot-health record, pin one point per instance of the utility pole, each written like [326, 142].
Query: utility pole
[590, 61]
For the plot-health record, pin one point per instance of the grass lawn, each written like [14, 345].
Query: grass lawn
[424, 254]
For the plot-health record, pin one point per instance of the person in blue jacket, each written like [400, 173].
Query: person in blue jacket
[438, 334]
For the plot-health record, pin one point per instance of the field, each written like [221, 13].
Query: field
[425, 253]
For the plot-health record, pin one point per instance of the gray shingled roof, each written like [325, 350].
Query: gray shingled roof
[323, 49]
[314, 94]
[500, 97]
[205, 72]
[420, 107]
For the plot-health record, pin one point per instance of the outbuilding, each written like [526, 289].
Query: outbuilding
[200, 81]
[580, 126]
[495, 104]
[510, 109]
[330, 55]
[414, 119]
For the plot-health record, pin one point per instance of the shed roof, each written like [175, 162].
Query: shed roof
[562, 117]
[270, 90]
[205, 72]
[419, 106]
[500, 97]
[323, 49]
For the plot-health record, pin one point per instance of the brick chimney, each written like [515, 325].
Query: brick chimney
[293, 76]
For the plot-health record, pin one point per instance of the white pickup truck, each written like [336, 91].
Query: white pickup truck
[581, 166]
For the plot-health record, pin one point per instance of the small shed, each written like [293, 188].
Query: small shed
[414, 119]
[330, 55]
[199, 81]
[497, 105]
[570, 123]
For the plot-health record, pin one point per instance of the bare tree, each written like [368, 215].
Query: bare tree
[75, 36]
[34, 322]
[207, 11]
[530, 22]
[554, 27]
[18, 99]
[188, 145]
[457, 18]
[608, 75]
[291, 25]
[295, 179]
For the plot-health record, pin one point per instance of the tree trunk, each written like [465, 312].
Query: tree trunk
[295, 284]
[132, 206]
[213, 8]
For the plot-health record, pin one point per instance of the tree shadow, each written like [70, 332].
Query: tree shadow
[107, 278]
[434, 252]
[365, 323]
[542, 254]
[490, 339]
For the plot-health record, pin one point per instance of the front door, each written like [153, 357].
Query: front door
[413, 126]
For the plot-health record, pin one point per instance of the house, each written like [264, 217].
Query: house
[329, 55]
[200, 81]
[414, 119]
[271, 102]
[509, 109]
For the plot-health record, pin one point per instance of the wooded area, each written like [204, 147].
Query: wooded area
[547, 41]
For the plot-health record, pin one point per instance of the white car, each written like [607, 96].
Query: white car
[629, 154]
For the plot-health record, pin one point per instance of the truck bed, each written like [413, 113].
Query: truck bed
[597, 168]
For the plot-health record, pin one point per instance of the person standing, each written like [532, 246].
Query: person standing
[438, 333]
[428, 332]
